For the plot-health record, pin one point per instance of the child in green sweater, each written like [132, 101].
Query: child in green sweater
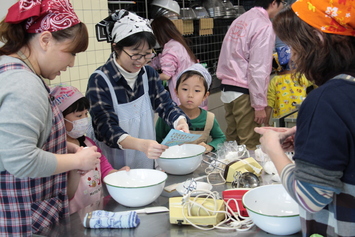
[192, 89]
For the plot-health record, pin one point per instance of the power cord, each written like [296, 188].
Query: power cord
[231, 221]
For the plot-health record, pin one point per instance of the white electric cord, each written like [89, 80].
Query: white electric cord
[209, 173]
[231, 220]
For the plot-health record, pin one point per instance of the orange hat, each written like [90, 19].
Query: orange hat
[330, 16]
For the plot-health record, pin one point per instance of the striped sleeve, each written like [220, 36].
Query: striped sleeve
[311, 196]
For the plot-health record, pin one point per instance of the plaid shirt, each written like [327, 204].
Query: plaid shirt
[104, 119]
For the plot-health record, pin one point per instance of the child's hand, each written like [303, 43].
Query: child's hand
[208, 147]
[126, 168]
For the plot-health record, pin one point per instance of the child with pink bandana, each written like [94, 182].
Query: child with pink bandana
[84, 188]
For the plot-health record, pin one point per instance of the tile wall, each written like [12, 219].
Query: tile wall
[90, 12]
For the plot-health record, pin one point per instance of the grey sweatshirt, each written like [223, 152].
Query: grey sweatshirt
[25, 123]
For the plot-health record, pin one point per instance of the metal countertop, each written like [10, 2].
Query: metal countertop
[157, 224]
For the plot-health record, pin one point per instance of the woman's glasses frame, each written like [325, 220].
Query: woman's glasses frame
[139, 56]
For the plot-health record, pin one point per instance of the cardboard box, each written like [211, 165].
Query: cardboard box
[206, 32]
[206, 23]
[179, 25]
[188, 26]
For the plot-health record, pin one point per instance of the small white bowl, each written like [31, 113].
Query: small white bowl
[137, 187]
[273, 210]
[181, 160]
[200, 186]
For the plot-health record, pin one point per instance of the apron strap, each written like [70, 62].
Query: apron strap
[110, 87]
[205, 134]
[112, 90]
[209, 121]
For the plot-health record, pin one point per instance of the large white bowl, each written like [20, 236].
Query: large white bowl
[273, 210]
[137, 187]
[181, 160]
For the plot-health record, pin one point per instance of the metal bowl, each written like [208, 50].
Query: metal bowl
[187, 13]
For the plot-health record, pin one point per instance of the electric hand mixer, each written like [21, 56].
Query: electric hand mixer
[237, 167]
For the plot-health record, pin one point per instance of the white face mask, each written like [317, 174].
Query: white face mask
[80, 127]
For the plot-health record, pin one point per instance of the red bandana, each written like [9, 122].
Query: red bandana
[43, 15]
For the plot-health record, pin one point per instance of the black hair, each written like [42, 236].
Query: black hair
[329, 53]
[186, 75]
[136, 40]
[164, 30]
[265, 3]
[78, 106]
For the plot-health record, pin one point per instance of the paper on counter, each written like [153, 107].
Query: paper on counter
[171, 187]
[176, 137]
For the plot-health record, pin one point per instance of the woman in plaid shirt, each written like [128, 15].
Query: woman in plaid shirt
[33, 163]
[125, 92]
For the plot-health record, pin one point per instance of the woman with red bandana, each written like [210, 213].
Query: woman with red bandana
[40, 39]
[321, 34]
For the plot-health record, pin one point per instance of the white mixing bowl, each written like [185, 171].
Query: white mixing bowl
[273, 210]
[181, 160]
[137, 187]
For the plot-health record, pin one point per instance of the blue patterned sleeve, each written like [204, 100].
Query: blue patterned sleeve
[104, 119]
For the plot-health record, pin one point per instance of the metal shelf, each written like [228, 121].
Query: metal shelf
[206, 47]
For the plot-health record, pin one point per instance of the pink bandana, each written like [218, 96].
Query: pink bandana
[43, 15]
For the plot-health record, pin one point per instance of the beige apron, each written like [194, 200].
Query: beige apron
[207, 130]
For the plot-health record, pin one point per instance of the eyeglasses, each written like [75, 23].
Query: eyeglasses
[284, 3]
[139, 56]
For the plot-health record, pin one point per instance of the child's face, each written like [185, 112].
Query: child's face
[134, 65]
[191, 92]
[74, 116]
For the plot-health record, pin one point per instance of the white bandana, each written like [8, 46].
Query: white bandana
[202, 70]
[124, 23]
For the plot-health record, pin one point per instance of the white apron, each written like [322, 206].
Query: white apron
[89, 189]
[137, 119]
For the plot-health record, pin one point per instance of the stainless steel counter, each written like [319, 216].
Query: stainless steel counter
[281, 121]
[291, 120]
[157, 224]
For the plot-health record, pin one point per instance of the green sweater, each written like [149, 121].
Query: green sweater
[197, 124]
